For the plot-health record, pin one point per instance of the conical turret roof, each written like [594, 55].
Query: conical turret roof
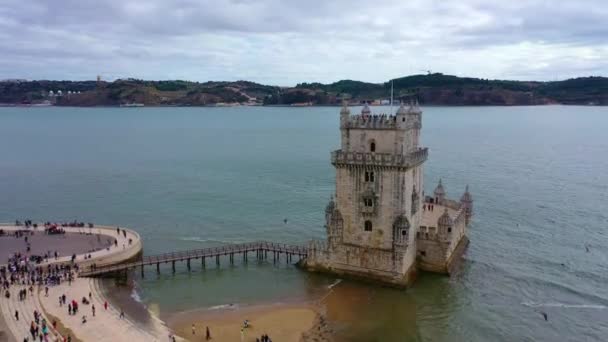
[402, 110]
[331, 205]
[466, 197]
[366, 110]
[439, 190]
[445, 219]
[345, 110]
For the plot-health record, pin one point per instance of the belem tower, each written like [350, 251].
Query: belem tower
[380, 225]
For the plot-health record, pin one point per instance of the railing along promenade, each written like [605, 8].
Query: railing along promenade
[261, 248]
[340, 157]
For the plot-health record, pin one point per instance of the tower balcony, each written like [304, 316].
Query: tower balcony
[341, 158]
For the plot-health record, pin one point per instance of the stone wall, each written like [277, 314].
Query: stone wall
[392, 190]
[436, 251]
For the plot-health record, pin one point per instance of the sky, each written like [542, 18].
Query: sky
[285, 42]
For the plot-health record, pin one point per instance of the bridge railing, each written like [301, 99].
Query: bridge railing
[203, 252]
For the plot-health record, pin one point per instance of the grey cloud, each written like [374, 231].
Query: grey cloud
[290, 41]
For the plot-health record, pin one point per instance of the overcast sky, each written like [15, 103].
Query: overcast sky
[284, 42]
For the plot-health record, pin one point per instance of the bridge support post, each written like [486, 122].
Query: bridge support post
[231, 258]
[157, 267]
[217, 260]
[142, 271]
[203, 262]
[173, 266]
[188, 264]
[265, 254]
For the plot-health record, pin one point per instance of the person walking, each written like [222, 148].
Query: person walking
[93, 309]
[16, 315]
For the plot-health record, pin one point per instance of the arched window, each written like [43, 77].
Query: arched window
[369, 176]
[368, 226]
[372, 147]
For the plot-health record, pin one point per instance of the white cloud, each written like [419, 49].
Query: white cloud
[285, 42]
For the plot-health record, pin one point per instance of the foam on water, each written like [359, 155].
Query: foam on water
[338, 281]
[224, 307]
[135, 295]
[564, 305]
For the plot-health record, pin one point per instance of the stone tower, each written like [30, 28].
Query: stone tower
[372, 223]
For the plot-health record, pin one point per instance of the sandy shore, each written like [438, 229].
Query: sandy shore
[282, 322]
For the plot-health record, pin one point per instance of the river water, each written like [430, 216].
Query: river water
[197, 177]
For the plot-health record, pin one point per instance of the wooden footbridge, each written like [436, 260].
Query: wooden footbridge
[261, 248]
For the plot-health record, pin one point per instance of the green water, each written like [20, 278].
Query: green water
[197, 177]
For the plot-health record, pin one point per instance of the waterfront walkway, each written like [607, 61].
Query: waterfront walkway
[107, 324]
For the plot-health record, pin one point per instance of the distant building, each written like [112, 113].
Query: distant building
[379, 224]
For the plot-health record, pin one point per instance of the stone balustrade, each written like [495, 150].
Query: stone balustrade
[382, 121]
[340, 157]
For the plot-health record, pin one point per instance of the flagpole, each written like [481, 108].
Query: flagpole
[391, 97]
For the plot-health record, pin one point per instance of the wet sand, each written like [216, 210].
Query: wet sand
[5, 335]
[282, 322]
[65, 244]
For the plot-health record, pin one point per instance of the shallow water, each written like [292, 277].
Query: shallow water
[196, 177]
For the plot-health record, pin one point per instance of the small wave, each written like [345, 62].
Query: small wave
[198, 239]
[135, 295]
[563, 305]
[224, 306]
[338, 281]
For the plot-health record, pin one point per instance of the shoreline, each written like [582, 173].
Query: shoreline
[290, 322]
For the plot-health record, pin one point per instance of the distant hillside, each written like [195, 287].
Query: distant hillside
[431, 89]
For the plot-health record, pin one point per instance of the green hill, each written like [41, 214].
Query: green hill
[430, 89]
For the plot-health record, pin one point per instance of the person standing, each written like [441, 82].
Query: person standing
[93, 309]
[208, 334]
[193, 329]
[16, 315]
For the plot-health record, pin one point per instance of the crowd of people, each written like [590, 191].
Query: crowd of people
[24, 274]
[75, 224]
[24, 277]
